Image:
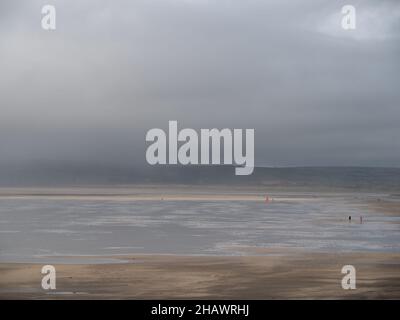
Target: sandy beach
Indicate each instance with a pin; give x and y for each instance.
(298, 276)
(251, 272)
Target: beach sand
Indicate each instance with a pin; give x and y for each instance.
(160, 192)
(260, 273)
(385, 207)
(294, 276)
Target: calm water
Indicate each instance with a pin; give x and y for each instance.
(38, 230)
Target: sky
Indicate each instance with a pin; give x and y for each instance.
(87, 92)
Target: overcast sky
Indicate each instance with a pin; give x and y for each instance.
(89, 91)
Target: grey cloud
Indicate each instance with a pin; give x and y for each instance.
(89, 91)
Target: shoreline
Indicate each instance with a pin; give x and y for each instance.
(252, 273)
(180, 194)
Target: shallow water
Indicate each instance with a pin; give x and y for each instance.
(49, 230)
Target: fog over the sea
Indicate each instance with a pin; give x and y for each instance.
(87, 93)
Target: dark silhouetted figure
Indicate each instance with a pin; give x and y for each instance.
(349, 218)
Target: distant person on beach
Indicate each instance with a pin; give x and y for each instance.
(361, 220)
(349, 218)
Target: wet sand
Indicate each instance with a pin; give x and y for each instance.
(259, 274)
(386, 207)
(148, 193)
(163, 192)
(295, 276)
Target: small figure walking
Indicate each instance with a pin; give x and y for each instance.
(349, 218)
(361, 219)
